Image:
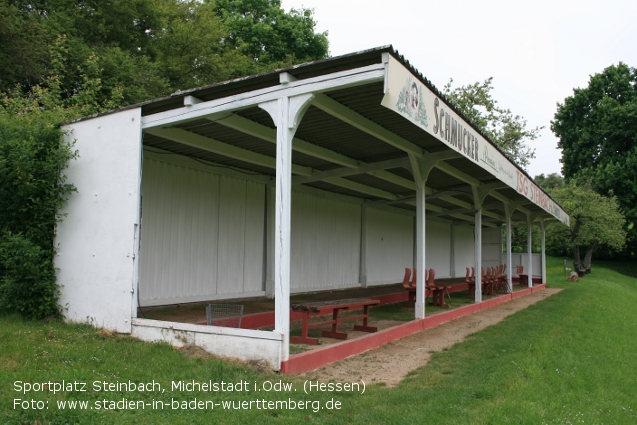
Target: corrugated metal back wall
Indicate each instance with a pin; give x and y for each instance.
(325, 243)
(390, 246)
(464, 248)
(203, 238)
(202, 235)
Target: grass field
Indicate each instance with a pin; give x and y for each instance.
(570, 359)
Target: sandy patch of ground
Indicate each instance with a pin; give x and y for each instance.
(391, 363)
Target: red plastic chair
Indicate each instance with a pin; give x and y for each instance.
(524, 278)
(470, 278)
(438, 292)
(487, 281)
(407, 284)
(501, 280)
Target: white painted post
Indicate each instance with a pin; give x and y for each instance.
(452, 251)
(507, 212)
(420, 170)
(529, 242)
(286, 114)
(270, 213)
(363, 249)
(478, 196)
(478, 248)
(543, 227)
(420, 250)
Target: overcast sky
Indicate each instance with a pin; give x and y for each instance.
(537, 51)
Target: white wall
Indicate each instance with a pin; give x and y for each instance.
(203, 237)
(390, 246)
(202, 234)
(438, 247)
(97, 244)
(491, 247)
(326, 239)
(518, 258)
(464, 249)
(243, 344)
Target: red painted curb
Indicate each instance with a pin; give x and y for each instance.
(316, 358)
(521, 293)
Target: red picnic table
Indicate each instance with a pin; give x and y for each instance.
(335, 307)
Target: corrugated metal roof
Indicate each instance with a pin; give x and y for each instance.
(322, 130)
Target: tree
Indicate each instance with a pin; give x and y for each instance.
(60, 60)
(550, 182)
(263, 31)
(23, 54)
(508, 131)
(597, 128)
(190, 49)
(596, 221)
(90, 29)
(144, 49)
(557, 244)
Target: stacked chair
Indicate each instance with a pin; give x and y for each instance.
(470, 278)
(431, 289)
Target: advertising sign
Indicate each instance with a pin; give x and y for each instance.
(406, 95)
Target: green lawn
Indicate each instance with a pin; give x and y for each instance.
(570, 359)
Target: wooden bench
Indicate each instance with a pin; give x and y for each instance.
(335, 307)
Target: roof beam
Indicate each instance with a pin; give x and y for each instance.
(371, 168)
(448, 212)
(442, 155)
(211, 145)
(337, 80)
(494, 185)
(361, 188)
(263, 132)
(393, 178)
(438, 195)
(215, 146)
(454, 172)
(268, 134)
(347, 115)
(470, 206)
(459, 214)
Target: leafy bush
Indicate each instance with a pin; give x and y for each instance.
(27, 278)
(31, 190)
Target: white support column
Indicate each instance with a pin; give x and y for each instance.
(452, 253)
(543, 228)
(414, 255)
(270, 209)
(509, 270)
(420, 170)
(286, 113)
(478, 248)
(363, 249)
(420, 250)
(529, 244)
(478, 197)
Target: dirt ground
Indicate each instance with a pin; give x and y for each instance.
(391, 363)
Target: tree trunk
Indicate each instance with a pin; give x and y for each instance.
(577, 263)
(589, 257)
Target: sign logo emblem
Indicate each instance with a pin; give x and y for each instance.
(411, 103)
